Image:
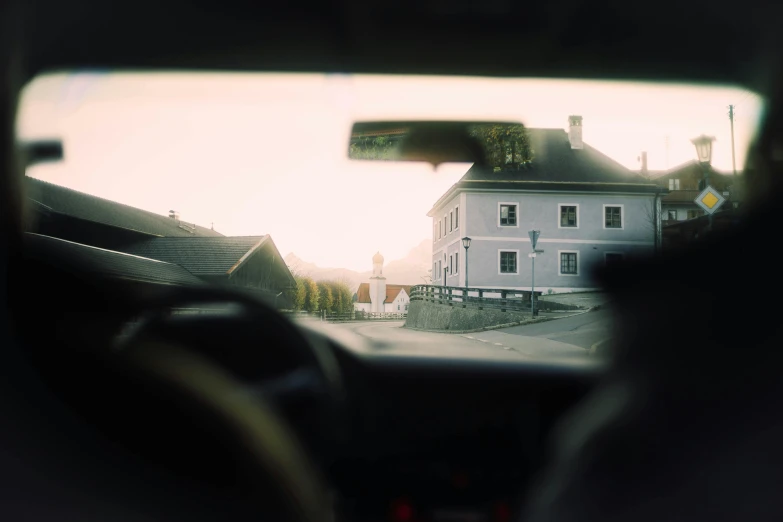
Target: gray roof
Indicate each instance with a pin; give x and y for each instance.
(682, 167)
(84, 206)
(556, 166)
(202, 256)
(554, 160)
(107, 263)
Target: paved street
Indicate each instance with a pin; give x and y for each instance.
(582, 330)
(491, 344)
(584, 299)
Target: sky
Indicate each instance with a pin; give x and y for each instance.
(254, 154)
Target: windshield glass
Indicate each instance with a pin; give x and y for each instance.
(608, 171)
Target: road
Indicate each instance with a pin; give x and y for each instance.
(572, 335)
(536, 344)
(583, 330)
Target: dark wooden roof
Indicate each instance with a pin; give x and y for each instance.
(107, 264)
(689, 167)
(201, 256)
(681, 196)
(555, 166)
(84, 206)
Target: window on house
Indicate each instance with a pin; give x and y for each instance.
(613, 217)
(440, 268)
(692, 214)
(568, 263)
(451, 264)
(456, 217)
(568, 215)
(508, 262)
(440, 229)
(445, 225)
(456, 263)
(451, 221)
(406, 308)
(508, 215)
(671, 215)
(398, 308)
(674, 184)
(612, 258)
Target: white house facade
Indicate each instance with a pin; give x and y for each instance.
(590, 212)
(377, 296)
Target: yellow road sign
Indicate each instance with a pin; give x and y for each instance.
(710, 200)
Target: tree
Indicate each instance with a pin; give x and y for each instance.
(378, 148)
(345, 296)
(505, 145)
(325, 299)
(341, 297)
(298, 294)
(337, 297)
(312, 295)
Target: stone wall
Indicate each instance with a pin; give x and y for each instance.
(431, 316)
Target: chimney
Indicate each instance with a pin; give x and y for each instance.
(643, 170)
(173, 214)
(575, 132)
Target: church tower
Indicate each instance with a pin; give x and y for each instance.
(377, 284)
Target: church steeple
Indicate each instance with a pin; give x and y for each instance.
(377, 265)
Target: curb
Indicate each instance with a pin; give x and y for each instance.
(498, 326)
(594, 346)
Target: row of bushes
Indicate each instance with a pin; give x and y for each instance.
(330, 296)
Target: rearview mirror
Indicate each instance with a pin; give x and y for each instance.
(435, 142)
(41, 151)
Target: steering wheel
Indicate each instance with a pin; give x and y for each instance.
(236, 398)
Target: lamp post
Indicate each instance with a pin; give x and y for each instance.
(703, 146)
(533, 240)
(466, 245)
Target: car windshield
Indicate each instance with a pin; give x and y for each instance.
(245, 179)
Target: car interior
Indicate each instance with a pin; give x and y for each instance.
(177, 418)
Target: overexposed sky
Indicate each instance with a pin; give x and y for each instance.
(266, 153)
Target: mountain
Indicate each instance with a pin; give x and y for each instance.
(410, 270)
(303, 268)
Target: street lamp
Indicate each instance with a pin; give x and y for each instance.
(533, 234)
(466, 245)
(703, 146)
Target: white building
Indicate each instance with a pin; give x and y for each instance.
(590, 211)
(377, 296)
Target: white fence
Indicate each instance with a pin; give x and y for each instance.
(356, 315)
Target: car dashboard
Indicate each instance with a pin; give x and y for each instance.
(444, 438)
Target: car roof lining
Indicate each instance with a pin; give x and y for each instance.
(669, 41)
